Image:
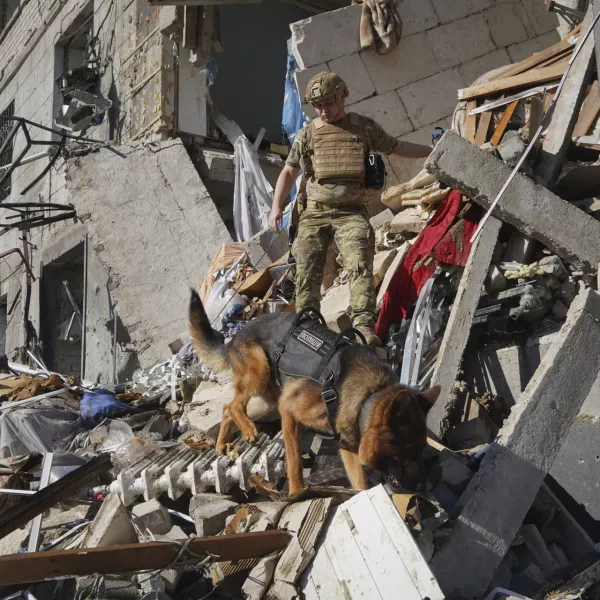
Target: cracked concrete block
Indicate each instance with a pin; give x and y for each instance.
(506, 24)
(335, 303)
(153, 190)
(265, 248)
(433, 98)
(460, 41)
(326, 36)
(452, 10)
(472, 69)
(387, 110)
(566, 230)
(381, 263)
(411, 61)
(111, 526)
(353, 71)
(153, 516)
(499, 496)
(456, 475)
(381, 218)
(416, 15)
(206, 408)
(210, 511)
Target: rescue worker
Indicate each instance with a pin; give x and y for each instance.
(331, 152)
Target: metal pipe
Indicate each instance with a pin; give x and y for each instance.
(12, 492)
(26, 160)
(36, 524)
(53, 394)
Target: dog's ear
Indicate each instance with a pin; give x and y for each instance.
(428, 397)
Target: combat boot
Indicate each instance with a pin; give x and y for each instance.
(369, 334)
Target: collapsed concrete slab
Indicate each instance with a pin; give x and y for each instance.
(535, 211)
(512, 471)
(457, 330)
(154, 228)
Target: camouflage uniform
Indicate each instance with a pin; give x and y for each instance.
(336, 211)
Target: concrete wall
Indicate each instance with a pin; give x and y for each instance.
(250, 77)
(154, 229)
(445, 45)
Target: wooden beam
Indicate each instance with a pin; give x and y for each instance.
(34, 505)
(508, 113)
(560, 131)
(483, 128)
(471, 121)
(39, 566)
(531, 78)
(589, 111)
(537, 59)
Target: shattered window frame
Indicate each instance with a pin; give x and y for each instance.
(6, 158)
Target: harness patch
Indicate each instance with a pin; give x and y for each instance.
(310, 340)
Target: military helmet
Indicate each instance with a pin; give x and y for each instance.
(324, 85)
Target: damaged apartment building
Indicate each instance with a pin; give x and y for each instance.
(137, 217)
(139, 146)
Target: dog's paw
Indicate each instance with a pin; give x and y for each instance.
(250, 433)
(221, 449)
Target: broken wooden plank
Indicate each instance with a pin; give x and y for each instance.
(488, 105)
(506, 117)
(565, 45)
(471, 124)
(34, 505)
(456, 334)
(405, 545)
(38, 566)
(305, 520)
(368, 552)
(589, 111)
(560, 130)
(531, 78)
(483, 128)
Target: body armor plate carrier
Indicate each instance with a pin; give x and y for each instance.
(312, 351)
(338, 150)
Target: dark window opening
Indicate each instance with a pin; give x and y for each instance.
(61, 310)
(6, 127)
(7, 10)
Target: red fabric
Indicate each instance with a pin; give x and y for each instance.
(439, 241)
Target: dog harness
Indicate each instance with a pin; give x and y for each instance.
(310, 350)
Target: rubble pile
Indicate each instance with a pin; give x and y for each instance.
(117, 491)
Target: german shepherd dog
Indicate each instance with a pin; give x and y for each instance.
(381, 424)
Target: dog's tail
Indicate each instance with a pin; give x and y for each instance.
(208, 343)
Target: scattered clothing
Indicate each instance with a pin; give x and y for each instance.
(380, 25)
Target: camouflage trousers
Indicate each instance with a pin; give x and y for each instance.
(355, 240)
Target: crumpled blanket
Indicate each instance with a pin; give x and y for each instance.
(380, 25)
(446, 239)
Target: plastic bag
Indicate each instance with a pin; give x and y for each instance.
(118, 433)
(99, 405)
(130, 452)
(293, 118)
(253, 194)
(41, 429)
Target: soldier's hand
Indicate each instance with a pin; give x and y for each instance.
(275, 219)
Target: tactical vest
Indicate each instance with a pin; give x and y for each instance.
(338, 151)
(310, 350)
